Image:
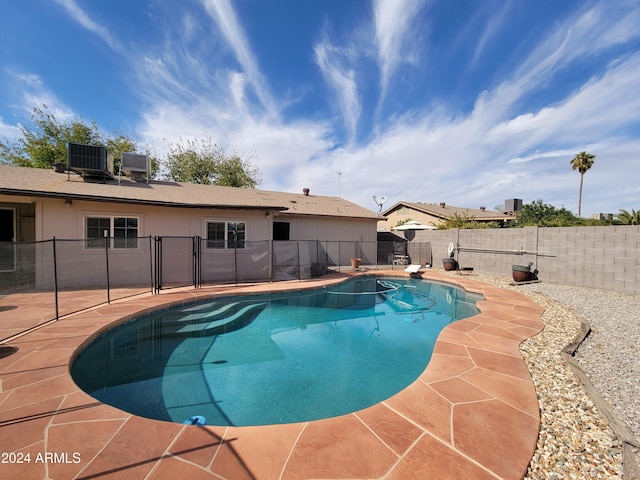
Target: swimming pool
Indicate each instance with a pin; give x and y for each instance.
(279, 358)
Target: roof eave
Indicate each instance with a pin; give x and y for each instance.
(132, 201)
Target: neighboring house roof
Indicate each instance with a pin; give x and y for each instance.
(445, 212)
(39, 182)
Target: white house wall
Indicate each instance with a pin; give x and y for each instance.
(329, 228)
(62, 221)
(79, 266)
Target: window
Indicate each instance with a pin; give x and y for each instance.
(123, 230)
(226, 234)
(281, 230)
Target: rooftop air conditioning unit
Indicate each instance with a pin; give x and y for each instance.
(513, 205)
(135, 165)
(90, 160)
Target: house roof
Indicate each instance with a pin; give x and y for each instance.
(38, 182)
(444, 211)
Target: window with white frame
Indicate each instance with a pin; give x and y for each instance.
(225, 234)
(123, 230)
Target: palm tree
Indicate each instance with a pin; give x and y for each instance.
(582, 162)
(627, 218)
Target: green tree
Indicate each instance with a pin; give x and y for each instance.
(582, 162)
(465, 221)
(540, 214)
(629, 218)
(402, 222)
(205, 162)
(44, 142)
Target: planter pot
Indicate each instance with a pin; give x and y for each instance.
(449, 264)
(521, 273)
(355, 263)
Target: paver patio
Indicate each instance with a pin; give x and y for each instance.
(473, 413)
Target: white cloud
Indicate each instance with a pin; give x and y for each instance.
(392, 20)
(83, 19)
(497, 17)
(9, 132)
(33, 93)
(221, 11)
(343, 83)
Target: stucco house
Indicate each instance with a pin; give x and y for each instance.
(40, 204)
(434, 214)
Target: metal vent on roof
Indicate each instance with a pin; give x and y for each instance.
(135, 165)
(90, 160)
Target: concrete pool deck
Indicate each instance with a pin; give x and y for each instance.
(473, 412)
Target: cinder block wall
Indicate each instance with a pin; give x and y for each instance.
(599, 257)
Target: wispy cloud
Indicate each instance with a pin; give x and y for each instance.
(33, 93)
(496, 20)
(83, 19)
(393, 35)
(9, 132)
(342, 81)
(221, 11)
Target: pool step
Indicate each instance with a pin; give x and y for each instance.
(242, 317)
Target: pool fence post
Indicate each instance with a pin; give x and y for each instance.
(199, 261)
(235, 256)
(158, 263)
(106, 253)
(151, 265)
(55, 277)
(298, 262)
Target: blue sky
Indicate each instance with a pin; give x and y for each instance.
(459, 101)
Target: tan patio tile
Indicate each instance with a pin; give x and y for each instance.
(262, 449)
(456, 390)
(24, 425)
(518, 393)
(430, 459)
(498, 331)
(133, 450)
(447, 348)
(340, 447)
(442, 367)
(494, 343)
(54, 387)
(78, 443)
(21, 378)
(479, 427)
(173, 469)
(501, 363)
(39, 358)
(425, 407)
(81, 407)
(452, 335)
(395, 431)
(198, 445)
(31, 470)
(465, 325)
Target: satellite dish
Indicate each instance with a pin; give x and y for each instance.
(450, 249)
(380, 200)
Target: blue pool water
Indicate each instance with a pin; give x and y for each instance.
(280, 358)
